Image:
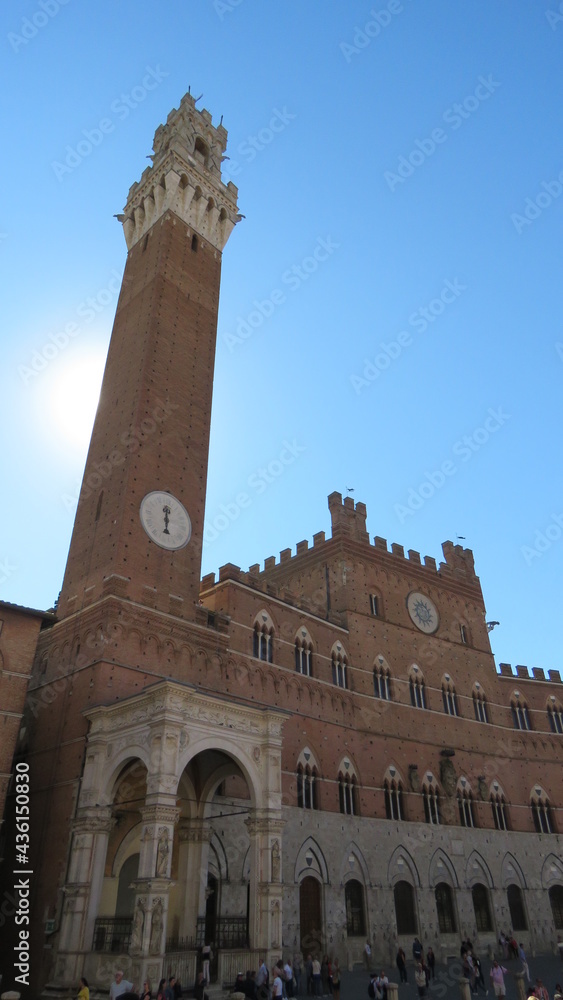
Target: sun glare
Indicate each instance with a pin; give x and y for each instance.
(73, 398)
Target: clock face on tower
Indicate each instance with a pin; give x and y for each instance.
(422, 612)
(165, 520)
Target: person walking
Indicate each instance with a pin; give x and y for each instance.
(430, 962)
(524, 960)
(367, 955)
(206, 955)
(316, 973)
(497, 974)
(401, 962)
(420, 979)
(335, 980)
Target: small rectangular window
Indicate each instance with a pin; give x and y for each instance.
(374, 604)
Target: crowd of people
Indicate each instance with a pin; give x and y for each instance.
(316, 977)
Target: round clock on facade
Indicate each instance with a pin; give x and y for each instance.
(165, 520)
(423, 612)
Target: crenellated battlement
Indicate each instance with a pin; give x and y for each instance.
(349, 522)
(521, 672)
(184, 178)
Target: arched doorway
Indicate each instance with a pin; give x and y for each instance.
(310, 916)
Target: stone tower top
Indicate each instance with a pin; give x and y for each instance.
(185, 178)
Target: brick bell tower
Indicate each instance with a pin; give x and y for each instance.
(139, 523)
(133, 570)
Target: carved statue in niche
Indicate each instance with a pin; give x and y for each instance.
(162, 853)
(156, 929)
(137, 928)
(276, 862)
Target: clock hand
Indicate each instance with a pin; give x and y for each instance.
(166, 511)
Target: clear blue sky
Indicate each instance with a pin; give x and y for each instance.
(440, 265)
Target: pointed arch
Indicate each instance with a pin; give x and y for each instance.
(263, 636)
(554, 710)
(417, 687)
(552, 872)
(381, 678)
(353, 864)
(511, 872)
(310, 860)
(449, 696)
(393, 786)
(402, 868)
(348, 787)
(477, 871)
(339, 660)
(441, 869)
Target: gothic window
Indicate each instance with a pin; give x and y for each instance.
(348, 795)
(541, 811)
(263, 638)
(518, 920)
(405, 908)
(480, 703)
(445, 908)
(481, 908)
(464, 634)
(307, 787)
(393, 792)
(498, 806)
(304, 653)
(307, 780)
(520, 714)
(355, 909)
(417, 689)
(465, 803)
(431, 798)
(381, 680)
(449, 696)
(556, 900)
(555, 716)
(339, 666)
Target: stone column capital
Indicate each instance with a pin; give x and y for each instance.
(160, 813)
